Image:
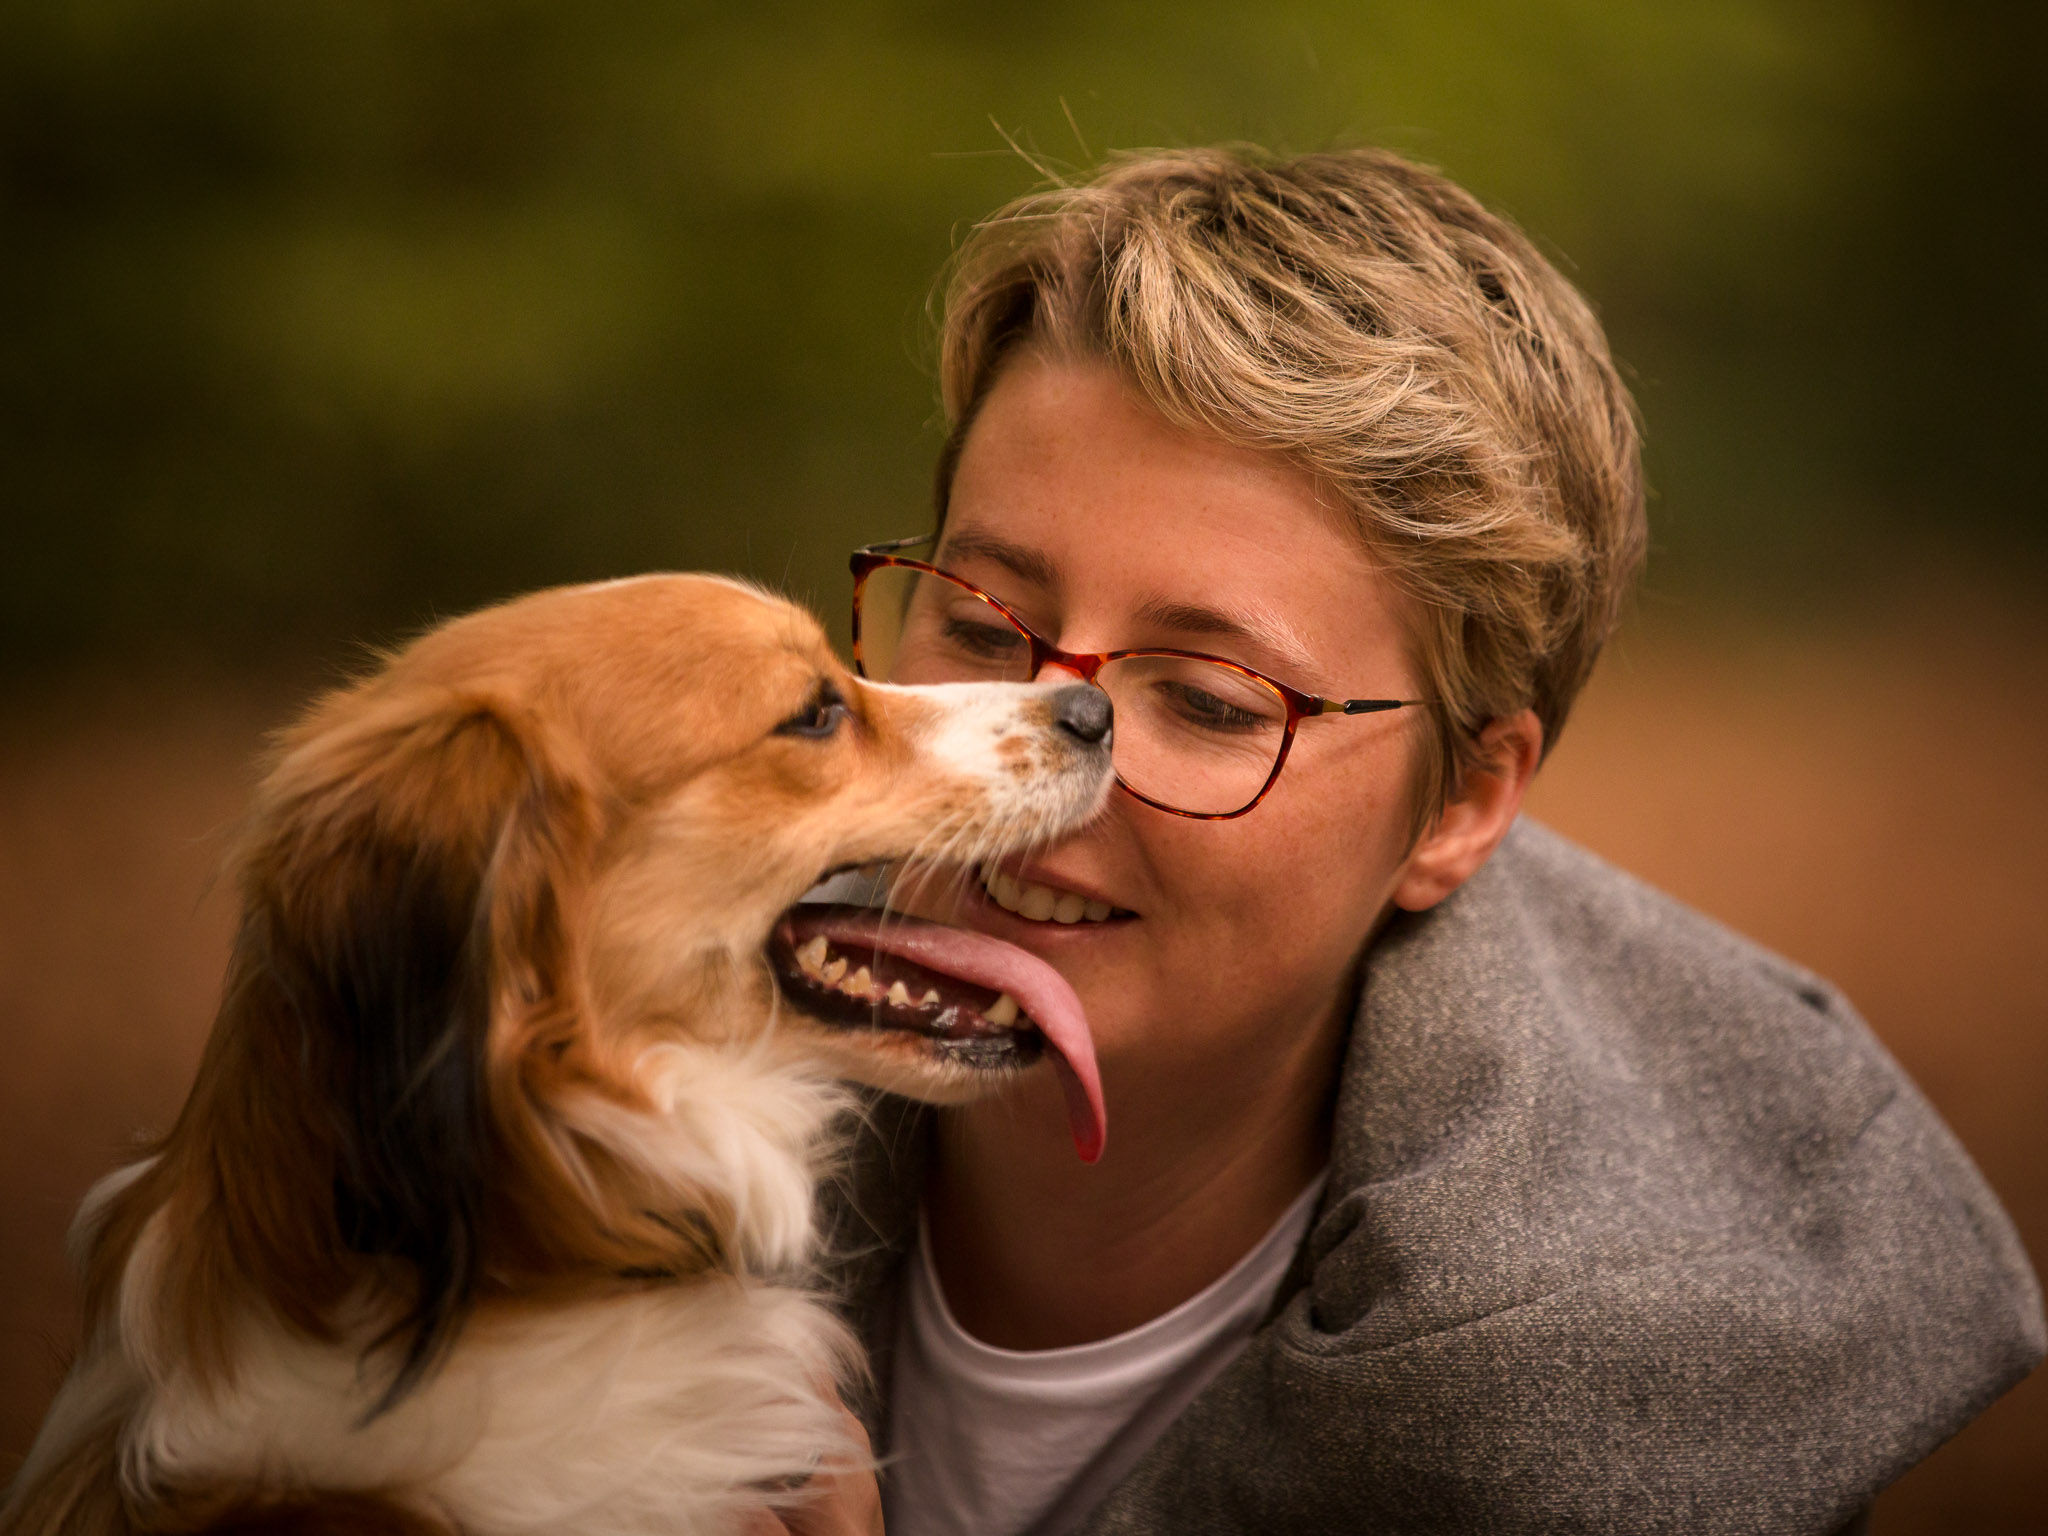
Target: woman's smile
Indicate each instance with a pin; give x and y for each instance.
(1038, 896)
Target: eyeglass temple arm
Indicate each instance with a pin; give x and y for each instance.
(1363, 706)
(890, 546)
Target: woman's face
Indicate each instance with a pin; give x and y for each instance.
(1104, 527)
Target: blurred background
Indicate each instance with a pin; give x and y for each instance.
(320, 321)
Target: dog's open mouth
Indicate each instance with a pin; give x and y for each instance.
(988, 1003)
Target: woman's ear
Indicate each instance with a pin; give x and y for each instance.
(1476, 818)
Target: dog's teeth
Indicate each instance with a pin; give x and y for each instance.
(1069, 908)
(811, 958)
(1098, 910)
(1002, 1011)
(930, 998)
(859, 984)
(833, 971)
(899, 994)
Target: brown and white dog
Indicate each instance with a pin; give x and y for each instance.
(491, 1207)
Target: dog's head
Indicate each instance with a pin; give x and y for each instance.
(518, 941)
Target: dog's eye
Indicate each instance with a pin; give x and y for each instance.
(817, 719)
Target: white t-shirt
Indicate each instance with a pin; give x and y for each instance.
(1005, 1442)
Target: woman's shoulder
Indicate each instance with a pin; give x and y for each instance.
(1562, 966)
(1661, 1069)
(1590, 915)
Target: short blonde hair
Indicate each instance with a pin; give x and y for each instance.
(1368, 320)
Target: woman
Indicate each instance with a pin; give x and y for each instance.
(1456, 1182)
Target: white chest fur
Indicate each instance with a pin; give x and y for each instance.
(658, 1411)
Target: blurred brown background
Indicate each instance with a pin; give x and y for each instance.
(318, 321)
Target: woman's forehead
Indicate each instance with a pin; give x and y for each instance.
(1313, 634)
(1075, 495)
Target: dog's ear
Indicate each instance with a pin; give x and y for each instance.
(405, 876)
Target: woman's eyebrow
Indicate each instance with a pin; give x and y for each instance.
(1263, 630)
(1017, 559)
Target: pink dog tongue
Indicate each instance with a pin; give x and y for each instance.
(1040, 991)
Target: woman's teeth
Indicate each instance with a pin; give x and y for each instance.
(1041, 903)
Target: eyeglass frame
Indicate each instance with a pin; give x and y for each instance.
(870, 558)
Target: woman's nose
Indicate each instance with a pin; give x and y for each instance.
(1053, 671)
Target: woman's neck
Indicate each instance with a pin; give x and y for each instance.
(1036, 1250)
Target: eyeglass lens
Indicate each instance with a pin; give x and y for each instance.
(1190, 734)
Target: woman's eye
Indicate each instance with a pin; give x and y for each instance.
(986, 640)
(1200, 707)
(817, 719)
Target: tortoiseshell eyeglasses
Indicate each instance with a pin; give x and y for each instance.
(1194, 735)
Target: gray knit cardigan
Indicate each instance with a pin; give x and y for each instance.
(1630, 1226)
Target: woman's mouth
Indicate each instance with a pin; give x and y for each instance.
(1037, 903)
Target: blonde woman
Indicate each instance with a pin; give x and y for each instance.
(1456, 1182)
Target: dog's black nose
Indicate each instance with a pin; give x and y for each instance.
(1083, 711)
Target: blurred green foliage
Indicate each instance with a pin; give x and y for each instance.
(318, 319)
